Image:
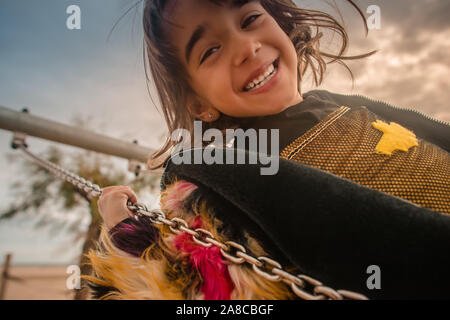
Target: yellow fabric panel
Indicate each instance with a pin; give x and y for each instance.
(356, 144)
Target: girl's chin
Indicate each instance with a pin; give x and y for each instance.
(262, 112)
(272, 106)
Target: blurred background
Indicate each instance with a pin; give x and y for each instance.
(94, 77)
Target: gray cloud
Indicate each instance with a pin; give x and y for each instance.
(412, 64)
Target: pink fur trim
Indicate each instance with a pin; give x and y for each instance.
(217, 284)
(177, 193)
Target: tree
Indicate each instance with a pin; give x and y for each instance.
(43, 190)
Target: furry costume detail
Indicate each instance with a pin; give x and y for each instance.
(208, 261)
(133, 237)
(172, 266)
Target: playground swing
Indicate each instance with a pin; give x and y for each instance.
(263, 266)
(329, 228)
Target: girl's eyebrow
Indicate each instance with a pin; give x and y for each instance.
(199, 31)
(195, 37)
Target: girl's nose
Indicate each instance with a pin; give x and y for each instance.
(245, 49)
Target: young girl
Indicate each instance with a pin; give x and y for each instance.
(364, 169)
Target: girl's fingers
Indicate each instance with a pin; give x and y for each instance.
(112, 204)
(116, 196)
(130, 194)
(120, 189)
(110, 189)
(128, 211)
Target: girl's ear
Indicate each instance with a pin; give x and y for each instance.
(202, 111)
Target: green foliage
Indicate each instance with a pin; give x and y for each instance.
(40, 192)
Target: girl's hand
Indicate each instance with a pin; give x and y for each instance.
(112, 204)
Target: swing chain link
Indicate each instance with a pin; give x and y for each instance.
(92, 190)
(263, 266)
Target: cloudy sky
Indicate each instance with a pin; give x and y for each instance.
(411, 68)
(59, 73)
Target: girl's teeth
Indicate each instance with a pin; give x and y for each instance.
(262, 79)
(264, 75)
(269, 70)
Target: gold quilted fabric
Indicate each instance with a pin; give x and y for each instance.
(345, 144)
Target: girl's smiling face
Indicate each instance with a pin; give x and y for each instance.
(224, 48)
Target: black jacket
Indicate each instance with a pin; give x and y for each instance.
(333, 229)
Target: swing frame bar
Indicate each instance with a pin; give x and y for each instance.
(28, 124)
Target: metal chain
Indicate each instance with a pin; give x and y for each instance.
(303, 286)
(93, 190)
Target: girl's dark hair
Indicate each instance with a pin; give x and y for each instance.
(171, 78)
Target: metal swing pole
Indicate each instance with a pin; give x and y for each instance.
(26, 123)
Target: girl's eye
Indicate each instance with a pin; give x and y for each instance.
(250, 20)
(246, 23)
(207, 54)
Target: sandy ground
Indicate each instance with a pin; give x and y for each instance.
(38, 283)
